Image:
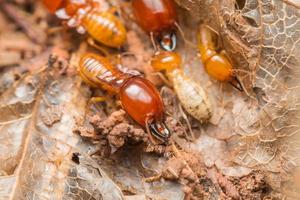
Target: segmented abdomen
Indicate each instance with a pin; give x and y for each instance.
(105, 28)
(192, 96)
(99, 72)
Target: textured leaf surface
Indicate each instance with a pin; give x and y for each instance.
(47, 162)
(42, 158)
(263, 41)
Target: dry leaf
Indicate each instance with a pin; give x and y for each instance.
(42, 162)
(42, 158)
(263, 40)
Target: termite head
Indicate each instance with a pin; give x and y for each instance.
(206, 42)
(159, 130)
(143, 103)
(168, 41)
(73, 11)
(166, 61)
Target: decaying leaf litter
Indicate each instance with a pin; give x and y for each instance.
(55, 144)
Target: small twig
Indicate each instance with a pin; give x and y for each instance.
(22, 21)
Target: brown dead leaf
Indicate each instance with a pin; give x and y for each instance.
(38, 161)
(41, 157)
(263, 41)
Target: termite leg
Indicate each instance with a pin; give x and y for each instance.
(162, 91)
(175, 150)
(121, 67)
(97, 99)
(103, 50)
(186, 41)
(163, 78)
(123, 54)
(187, 122)
(166, 89)
(213, 30)
(152, 38)
(153, 178)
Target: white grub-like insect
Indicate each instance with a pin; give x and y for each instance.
(191, 95)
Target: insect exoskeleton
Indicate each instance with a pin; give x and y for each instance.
(105, 27)
(139, 97)
(157, 18)
(191, 95)
(87, 16)
(216, 64)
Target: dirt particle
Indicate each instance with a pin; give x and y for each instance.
(117, 130)
(228, 187)
(52, 115)
(75, 158)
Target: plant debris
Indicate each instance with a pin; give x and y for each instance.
(56, 143)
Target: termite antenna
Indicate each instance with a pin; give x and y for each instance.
(212, 29)
(101, 48)
(124, 69)
(187, 122)
(186, 41)
(153, 41)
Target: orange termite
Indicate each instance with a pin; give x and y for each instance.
(86, 16)
(139, 97)
(217, 65)
(157, 18)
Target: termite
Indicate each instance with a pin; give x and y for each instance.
(138, 96)
(159, 19)
(217, 65)
(191, 95)
(86, 16)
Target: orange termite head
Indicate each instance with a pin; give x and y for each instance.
(216, 64)
(219, 68)
(165, 60)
